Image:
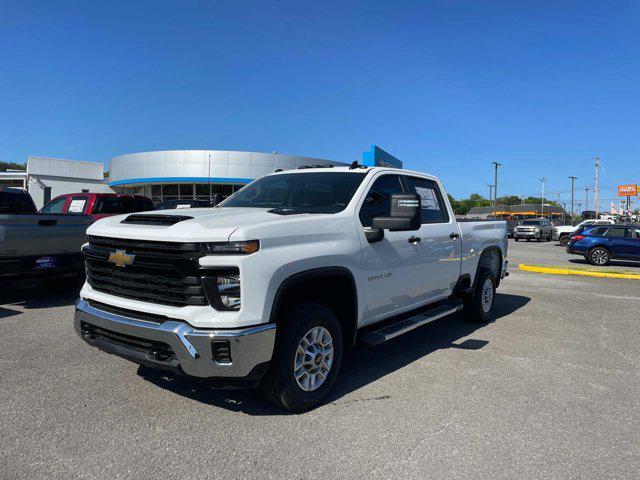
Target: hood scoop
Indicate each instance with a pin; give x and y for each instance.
(162, 220)
(285, 211)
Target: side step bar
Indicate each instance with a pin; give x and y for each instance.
(389, 331)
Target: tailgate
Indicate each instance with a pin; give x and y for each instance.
(42, 234)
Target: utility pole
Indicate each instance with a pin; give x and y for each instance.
(543, 180)
(495, 187)
(595, 193)
(572, 180)
(564, 209)
(586, 196)
(490, 190)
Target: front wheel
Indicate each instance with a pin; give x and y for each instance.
(564, 240)
(599, 256)
(306, 358)
(517, 239)
(478, 307)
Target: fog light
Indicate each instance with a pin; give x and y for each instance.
(223, 289)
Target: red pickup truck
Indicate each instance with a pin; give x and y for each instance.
(97, 205)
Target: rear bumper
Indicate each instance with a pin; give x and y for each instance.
(176, 346)
(33, 266)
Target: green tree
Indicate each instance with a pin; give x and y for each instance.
(4, 166)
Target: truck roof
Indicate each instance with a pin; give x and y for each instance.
(345, 168)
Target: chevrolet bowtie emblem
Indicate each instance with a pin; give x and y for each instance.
(121, 258)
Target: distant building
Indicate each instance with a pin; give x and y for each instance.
(46, 178)
(201, 174)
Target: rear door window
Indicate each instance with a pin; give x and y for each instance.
(620, 232)
(16, 203)
(432, 206)
(109, 205)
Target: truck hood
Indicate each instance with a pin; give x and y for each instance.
(203, 224)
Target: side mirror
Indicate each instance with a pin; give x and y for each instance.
(404, 215)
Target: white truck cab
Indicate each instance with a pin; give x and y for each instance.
(562, 233)
(268, 287)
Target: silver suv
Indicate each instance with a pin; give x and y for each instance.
(537, 229)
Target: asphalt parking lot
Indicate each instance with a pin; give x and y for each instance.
(551, 389)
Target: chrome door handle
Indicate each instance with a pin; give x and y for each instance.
(454, 235)
(414, 240)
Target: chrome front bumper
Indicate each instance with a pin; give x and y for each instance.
(190, 350)
(526, 234)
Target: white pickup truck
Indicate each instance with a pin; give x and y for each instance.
(269, 287)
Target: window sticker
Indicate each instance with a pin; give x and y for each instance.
(429, 200)
(77, 206)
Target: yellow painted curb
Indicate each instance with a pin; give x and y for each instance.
(567, 271)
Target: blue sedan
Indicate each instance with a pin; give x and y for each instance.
(600, 244)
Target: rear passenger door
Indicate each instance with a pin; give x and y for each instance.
(440, 245)
(621, 242)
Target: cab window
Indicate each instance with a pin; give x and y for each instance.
(432, 206)
(54, 206)
(378, 200)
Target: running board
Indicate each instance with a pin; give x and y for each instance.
(389, 331)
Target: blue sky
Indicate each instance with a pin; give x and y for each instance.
(446, 86)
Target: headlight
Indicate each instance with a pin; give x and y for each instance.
(222, 288)
(231, 248)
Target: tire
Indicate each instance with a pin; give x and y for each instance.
(516, 239)
(599, 256)
(564, 240)
(279, 385)
(476, 308)
(66, 284)
(549, 237)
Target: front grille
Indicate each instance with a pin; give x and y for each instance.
(161, 272)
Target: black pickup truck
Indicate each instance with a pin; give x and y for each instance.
(39, 246)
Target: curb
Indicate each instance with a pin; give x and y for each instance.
(585, 273)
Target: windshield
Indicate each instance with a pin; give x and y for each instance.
(317, 192)
(531, 222)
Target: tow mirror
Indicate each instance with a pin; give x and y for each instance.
(404, 214)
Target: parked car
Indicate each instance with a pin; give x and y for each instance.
(600, 244)
(562, 234)
(39, 246)
(97, 205)
(269, 287)
(537, 229)
(183, 203)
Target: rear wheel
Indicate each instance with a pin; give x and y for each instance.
(516, 239)
(306, 359)
(599, 256)
(479, 306)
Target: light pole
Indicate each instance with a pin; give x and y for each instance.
(543, 180)
(490, 195)
(495, 186)
(572, 180)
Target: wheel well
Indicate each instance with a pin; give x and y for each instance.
(332, 287)
(491, 258)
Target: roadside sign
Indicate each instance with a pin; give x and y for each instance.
(627, 190)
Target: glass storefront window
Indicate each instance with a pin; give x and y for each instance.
(169, 191)
(186, 190)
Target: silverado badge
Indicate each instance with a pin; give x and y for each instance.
(121, 258)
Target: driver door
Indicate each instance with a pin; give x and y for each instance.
(392, 266)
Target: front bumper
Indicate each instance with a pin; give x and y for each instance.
(517, 234)
(174, 345)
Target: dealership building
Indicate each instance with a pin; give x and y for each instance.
(203, 174)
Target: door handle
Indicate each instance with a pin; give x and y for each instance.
(454, 235)
(414, 240)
